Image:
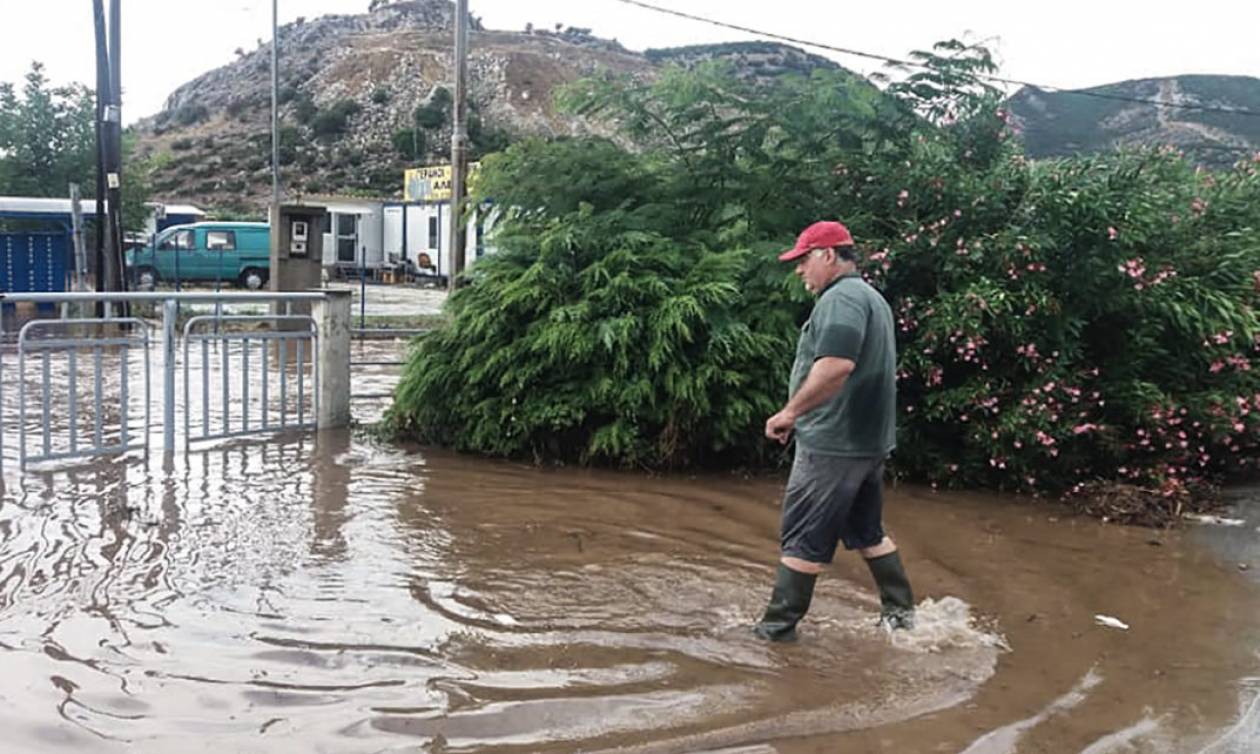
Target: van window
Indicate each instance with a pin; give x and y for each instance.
(221, 240)
(181, 241)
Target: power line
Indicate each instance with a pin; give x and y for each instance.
(914, 64)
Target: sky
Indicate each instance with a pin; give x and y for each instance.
(1066, 44)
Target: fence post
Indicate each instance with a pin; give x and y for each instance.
(170, 312)
(332, 318)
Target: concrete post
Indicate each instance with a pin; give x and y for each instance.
(332, 317)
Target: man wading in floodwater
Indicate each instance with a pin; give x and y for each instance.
(842, 411)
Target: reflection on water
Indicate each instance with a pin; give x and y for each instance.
(331, 594)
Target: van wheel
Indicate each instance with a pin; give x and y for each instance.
(253, 279)
(146, 279)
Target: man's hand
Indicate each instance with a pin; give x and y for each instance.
(779, 427)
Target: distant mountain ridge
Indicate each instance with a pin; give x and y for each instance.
(1054, 124)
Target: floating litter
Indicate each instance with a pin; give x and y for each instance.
(1110, 622)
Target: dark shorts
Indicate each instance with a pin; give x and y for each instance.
(832, 499)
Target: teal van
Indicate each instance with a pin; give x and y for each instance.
(229, 252)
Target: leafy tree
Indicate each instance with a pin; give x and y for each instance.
(47, 138)
(48, 141)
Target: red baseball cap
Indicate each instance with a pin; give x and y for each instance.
(821, 235)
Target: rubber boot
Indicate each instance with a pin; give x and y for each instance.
(789, 602)
(896, 600)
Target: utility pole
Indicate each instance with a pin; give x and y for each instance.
(109, 257)
(113, 175)
(459, 143)
(102, 88)
(275, 104)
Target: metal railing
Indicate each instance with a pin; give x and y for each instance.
(98, 445)
(113, 435)
(280, 339)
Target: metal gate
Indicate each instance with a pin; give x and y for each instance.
(98, 442)
(304, 340)
(266, 372)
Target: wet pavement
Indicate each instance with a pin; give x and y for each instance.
(370, 299)
(332, 594)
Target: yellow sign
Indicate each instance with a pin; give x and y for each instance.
(433, 183)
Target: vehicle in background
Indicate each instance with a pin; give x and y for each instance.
(220, 252)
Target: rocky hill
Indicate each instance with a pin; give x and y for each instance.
(362, 98)
(365, 96)
(1065, 123)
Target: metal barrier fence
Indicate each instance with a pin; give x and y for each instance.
(113, 434)
(46, 347)
(280, 339)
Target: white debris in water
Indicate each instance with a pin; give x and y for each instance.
(1110, 622)
(1205, 518)
(503, 619)
(944, 624)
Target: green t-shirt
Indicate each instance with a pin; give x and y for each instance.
(851, 320)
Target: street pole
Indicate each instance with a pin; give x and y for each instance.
(113, 115)
(102, 97)
(459, 142)
(275, 104)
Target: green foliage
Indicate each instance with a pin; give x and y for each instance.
(304, 108)
(290, 142)
(1059, 323)
(410, 143)
(748, 55)
(190, 114)
(597, 339)
(47, 138)
(238, 106)
(482, 140)
(430, 117)
(334, 120)
(380, 95)
(48, 141)
(436, 112)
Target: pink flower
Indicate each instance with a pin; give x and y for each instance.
(1112, 233)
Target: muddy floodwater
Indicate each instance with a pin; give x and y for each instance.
(329, 593)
